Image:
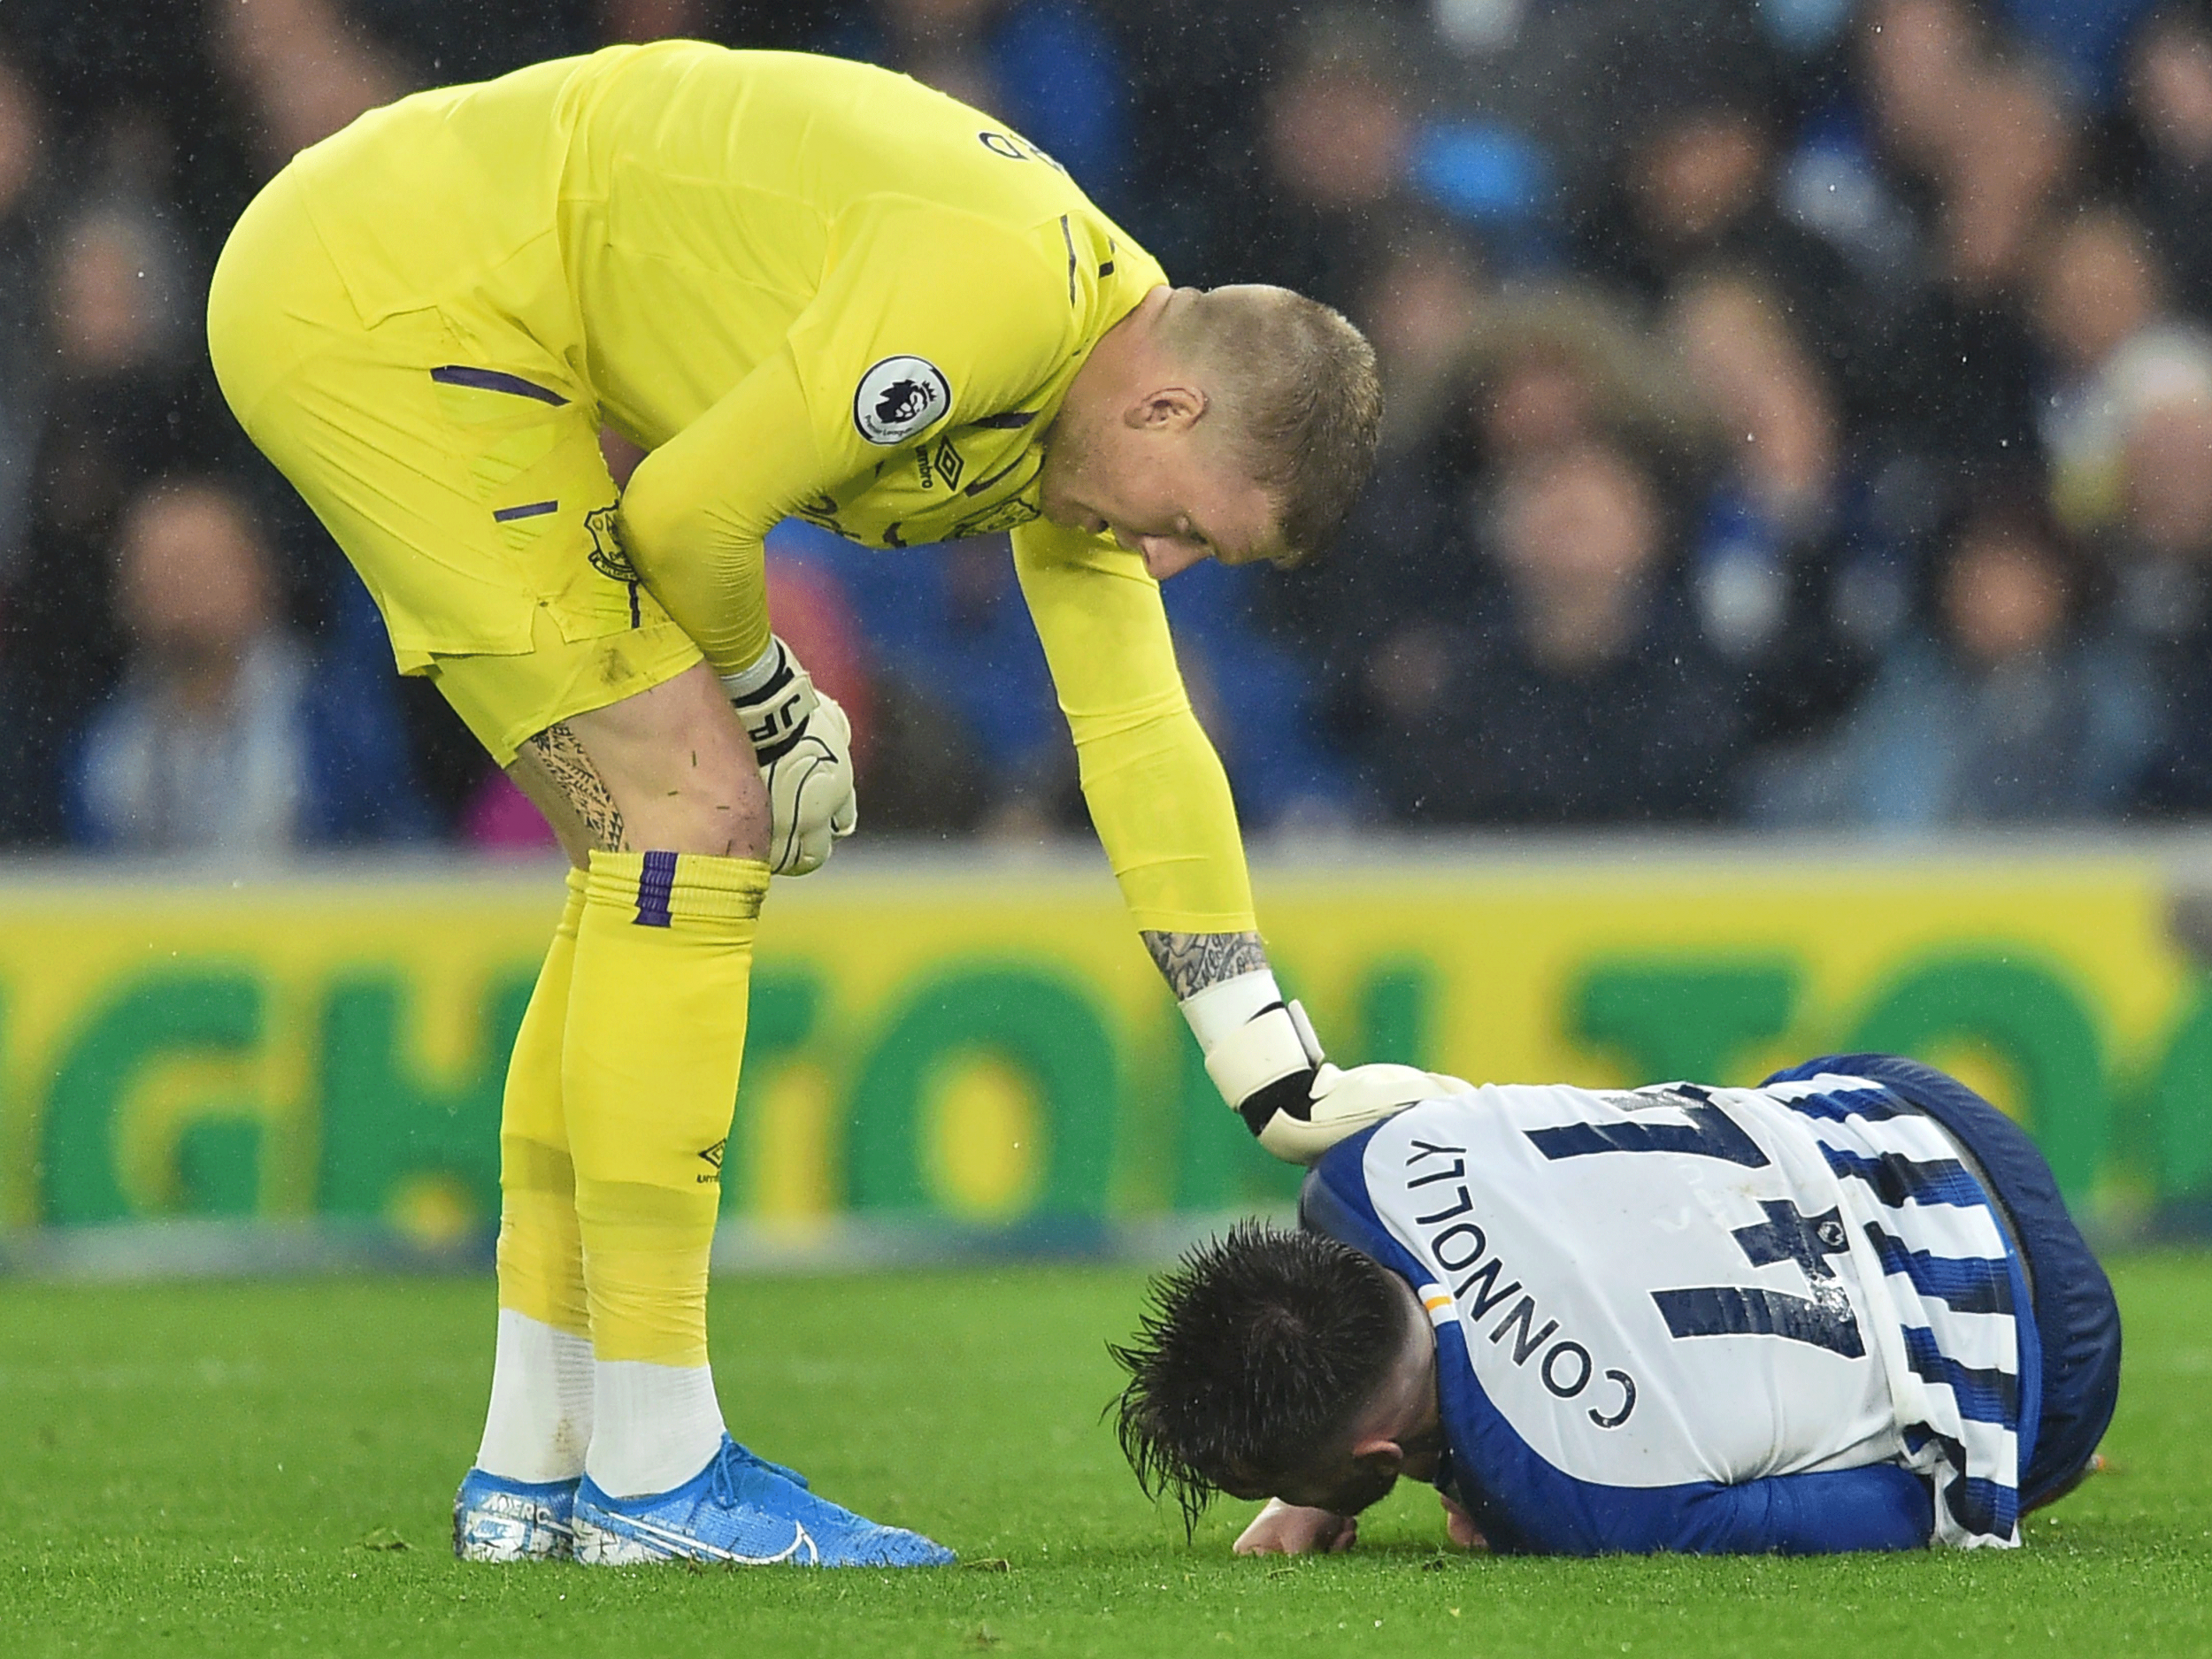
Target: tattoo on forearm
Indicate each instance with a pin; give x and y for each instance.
(564, 761)
(1191, 961)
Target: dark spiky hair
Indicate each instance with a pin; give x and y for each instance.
(1253, 1353)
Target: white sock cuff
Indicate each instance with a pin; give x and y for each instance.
(653, 1426)
(539, 1421)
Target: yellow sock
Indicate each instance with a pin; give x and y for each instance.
(540, 1251)
(538, 1423)
(655, 1033)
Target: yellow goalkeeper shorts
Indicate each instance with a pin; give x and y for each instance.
(457, 461)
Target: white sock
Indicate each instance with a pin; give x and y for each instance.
(540, 1420)
(653, 1426)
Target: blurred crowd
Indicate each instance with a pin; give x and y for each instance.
(1800, 414)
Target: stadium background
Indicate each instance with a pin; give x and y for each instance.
(1782, 622)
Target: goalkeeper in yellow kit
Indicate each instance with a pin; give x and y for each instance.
(805, 287)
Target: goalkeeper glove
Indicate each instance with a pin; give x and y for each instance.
(1269, 1066)
(804, 746)
(1343, 1104)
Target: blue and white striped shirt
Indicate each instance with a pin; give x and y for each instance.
(1703, 1319)
(1957, 1292)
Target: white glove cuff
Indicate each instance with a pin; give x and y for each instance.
(1259, 1052)
(1266, 1064)
(748, 681)
(1227, 1004)
(775, 712)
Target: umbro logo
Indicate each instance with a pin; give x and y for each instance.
(940, 462)
(713, 1153)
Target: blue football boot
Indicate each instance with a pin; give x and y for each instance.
(745, 1511)
(498, 1520)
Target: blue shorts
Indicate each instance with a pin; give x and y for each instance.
(2077, 1322)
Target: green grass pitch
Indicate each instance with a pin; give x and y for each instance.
(216, 1469)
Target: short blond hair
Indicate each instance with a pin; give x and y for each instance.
(1304, 402)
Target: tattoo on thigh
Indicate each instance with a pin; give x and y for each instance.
(558, 751)
(1191, 961)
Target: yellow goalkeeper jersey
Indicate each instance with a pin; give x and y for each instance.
(809, 286)
(815, 288)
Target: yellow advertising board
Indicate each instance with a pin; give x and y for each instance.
(987, 1040)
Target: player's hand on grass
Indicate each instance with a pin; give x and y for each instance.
(804, 745)
(1284, 1528)
(1460, 1525)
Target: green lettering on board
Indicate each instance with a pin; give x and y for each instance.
(785, 1008)
(1040, 1025)
(2181, 1102)
(208, 1010)
(219, 1164)
(1397, 1010)
(2036, 1020)
(1218, 1165)
(382, 1124)
(1685, 1018)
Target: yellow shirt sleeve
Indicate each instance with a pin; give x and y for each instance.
(1155, 786)
(927, 317)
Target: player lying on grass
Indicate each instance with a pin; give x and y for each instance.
(809, 288)
(1844, 1311)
